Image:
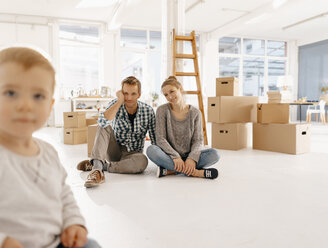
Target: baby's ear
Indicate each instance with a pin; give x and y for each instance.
(52, 103)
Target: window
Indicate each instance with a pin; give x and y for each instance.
(276, 68)
(141, 57)
(276, 48)
(80, 56)
(155, 40)
(133, 64)
(253, 76)
(133, 38)
(253, 47)
(258, 66)
(229, 45)
(229, 67)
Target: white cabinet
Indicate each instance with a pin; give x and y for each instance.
(90, 104)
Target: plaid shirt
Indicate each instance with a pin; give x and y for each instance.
(134, 140)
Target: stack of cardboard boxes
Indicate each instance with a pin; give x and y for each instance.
(75, 128)
(229, 114)
(273, 132)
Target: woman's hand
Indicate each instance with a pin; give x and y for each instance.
(11, 243)
(178, 164)
(190, 166)
(74, 236)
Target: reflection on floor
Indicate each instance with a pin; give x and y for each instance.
(260, 200)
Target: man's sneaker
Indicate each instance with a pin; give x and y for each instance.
(211, 173)
(94, 178)
(161, 172)
(84, 165)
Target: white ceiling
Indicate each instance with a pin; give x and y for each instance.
(219, 17)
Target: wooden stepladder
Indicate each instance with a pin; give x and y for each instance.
(193, 56)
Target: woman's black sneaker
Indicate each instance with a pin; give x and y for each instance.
(161, 172)
(211, 173)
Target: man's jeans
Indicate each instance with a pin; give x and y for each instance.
(207, 158)
(121, 161)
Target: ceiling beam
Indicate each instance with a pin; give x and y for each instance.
(324, 14)
(236, 24)
(194, 5)
(112, 21)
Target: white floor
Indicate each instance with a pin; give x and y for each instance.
(260, 200)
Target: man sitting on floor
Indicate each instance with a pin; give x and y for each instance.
(120, 136)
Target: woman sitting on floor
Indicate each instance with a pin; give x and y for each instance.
(179, 137)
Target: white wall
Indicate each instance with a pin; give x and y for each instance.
(210, 64)
(312, 39)
(35, 36)
(209, 72)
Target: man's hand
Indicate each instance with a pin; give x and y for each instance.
(110, 113)
(178, 164)
(190, 166)
(74, 236)
(120, 96)
(11, 243)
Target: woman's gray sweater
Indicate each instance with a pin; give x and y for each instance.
(179, 138)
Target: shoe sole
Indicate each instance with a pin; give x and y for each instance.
(158, 172)
(92, 185)
(80, 169)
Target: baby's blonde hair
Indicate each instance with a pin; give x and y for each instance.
(28, 58)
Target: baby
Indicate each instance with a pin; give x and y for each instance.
(37, 207)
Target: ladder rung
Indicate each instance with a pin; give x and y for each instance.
(185, 56)
(183, 37)
(185, 73)
(192, 92)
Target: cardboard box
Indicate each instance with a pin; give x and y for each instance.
(231, 136)
(92, 130)
(227, 86)
(274, 101)
(232, 109)
(273, 113)
(73, 136)
(283, 96)
(91, 121)
(274, 94)
(74, 119)
(285, 138)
